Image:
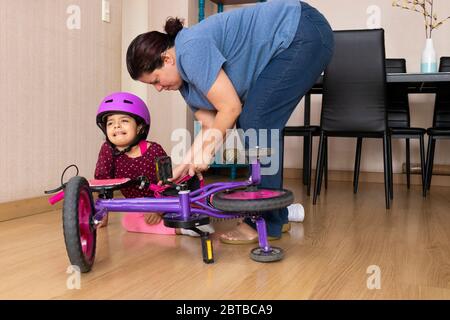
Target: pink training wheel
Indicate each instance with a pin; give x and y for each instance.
(79, 234)
(252, 200)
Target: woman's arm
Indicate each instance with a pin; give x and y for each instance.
(228, 105)
(206, 117)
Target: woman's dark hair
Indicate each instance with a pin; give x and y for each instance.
(144, 52)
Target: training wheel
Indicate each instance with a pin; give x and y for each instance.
(274, 254)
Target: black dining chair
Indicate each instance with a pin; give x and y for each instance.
(441, 119)
(308, 132)
(399, 123)
(354, 96)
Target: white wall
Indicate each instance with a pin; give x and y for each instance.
(168, 109)
(52, 79)
(134, 22)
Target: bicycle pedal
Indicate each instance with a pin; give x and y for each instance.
(207, 249)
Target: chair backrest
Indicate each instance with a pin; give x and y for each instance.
(354, 86)
(397, 97)
(441, 116)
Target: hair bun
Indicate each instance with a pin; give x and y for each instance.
(173, 26)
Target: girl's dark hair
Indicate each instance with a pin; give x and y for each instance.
(144, 52)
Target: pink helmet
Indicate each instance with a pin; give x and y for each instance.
(127, 103)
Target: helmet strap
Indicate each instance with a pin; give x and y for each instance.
(118, 153)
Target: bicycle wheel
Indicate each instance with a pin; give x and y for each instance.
(252, 200)
(274, 254)
(80, 235)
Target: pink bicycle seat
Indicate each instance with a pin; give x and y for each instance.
(107, 182)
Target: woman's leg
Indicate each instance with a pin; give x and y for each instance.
(279, 89)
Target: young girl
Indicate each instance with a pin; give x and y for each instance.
(125, 120)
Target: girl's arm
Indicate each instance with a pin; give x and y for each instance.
(104, 168)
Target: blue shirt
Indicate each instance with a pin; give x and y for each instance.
(241, 41)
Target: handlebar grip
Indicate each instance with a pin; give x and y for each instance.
(57, 197)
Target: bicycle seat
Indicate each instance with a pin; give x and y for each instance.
(108, 184)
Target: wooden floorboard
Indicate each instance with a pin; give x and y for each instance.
(326, 257)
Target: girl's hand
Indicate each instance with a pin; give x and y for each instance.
(153, 218)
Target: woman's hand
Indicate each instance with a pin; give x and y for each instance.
(153, 218)
(202, 164)
(181, 171)
(185, 169)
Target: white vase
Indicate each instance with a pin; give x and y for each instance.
(429, 63)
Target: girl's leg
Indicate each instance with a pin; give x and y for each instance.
(135, 222)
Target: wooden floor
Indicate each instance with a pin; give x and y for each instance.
(327, 256)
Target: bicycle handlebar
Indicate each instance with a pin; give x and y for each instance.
(57, 197)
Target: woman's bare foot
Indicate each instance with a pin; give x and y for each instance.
(243, 233)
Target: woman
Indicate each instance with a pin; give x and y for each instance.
(248, 67)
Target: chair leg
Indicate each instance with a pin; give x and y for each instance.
(391, 171)
(357, 165)
(306, 161)
(422, 165)
(408, 164)
(386, 171)
(282, 158)
(430, 160)
(310, 139)
(326, 163)
(323, 163)
(318, 167)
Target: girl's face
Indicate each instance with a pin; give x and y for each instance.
(121, 130)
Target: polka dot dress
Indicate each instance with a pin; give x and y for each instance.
(110, 167)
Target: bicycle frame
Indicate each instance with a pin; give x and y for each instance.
(187, 203)
(188, 209)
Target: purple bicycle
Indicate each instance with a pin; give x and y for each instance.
(182, 208)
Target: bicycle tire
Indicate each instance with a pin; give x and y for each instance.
(262, 199)
(80, 236)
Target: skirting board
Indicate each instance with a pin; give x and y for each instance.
(26, 207)
(32, 206)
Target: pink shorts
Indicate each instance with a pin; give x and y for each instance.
(135, 222)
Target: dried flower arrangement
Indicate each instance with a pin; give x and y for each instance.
(425, 7)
